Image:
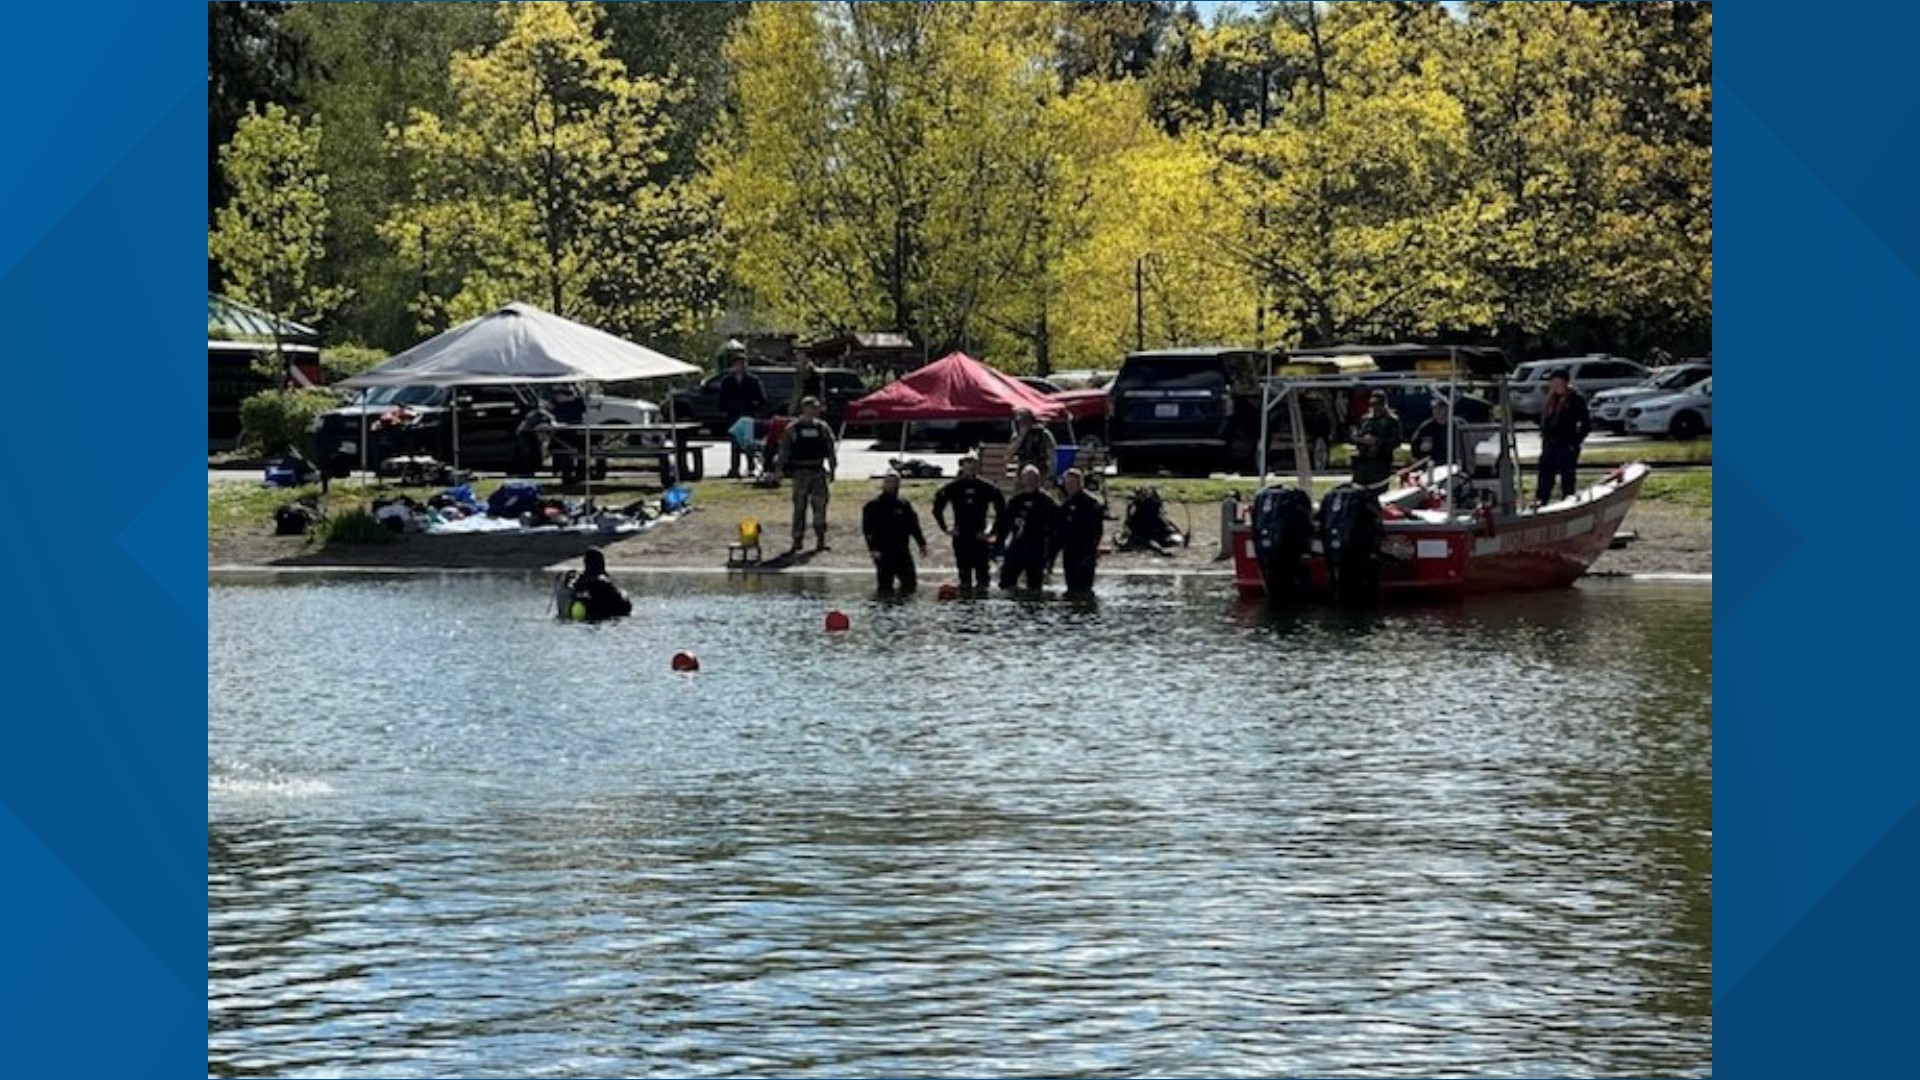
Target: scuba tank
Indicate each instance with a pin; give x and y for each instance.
(1282, 534)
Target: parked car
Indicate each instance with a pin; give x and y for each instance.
(418, 420)
(701, 404)
(1176, 409)
(1610, 406)
(1685, 415)
(1527, 393)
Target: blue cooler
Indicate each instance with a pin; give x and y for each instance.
(1063, 458)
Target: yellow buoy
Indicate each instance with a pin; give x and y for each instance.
(579, 611)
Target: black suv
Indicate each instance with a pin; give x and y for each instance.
(492, 426)
(701, 404)
(1185, 409)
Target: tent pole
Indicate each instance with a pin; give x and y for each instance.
(589, 462)
(455, 402)
(363, 437)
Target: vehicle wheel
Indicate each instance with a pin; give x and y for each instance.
(1686, 427)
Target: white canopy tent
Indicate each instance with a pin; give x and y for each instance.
(521, 344)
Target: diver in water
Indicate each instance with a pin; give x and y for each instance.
(1027, 529)
(595, 596)
(1081, 523)
(977, 506)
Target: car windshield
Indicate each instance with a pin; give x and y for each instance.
(1674, 380)
(1172, 372)
(405, 395)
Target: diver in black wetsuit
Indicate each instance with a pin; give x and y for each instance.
(1027, 528)
(1082, 522)
(891, 526)
(594, 590)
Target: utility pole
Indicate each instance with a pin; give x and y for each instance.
(1260, 286)
(1139, 305)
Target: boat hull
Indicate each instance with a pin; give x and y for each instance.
(1549, 548)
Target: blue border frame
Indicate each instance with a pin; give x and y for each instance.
(102, 796)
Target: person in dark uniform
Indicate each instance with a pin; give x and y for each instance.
(1026, 527)
(1082, 522)
(1374, 442)
(593, 589)
(1434, 439)
(808, 458)
(972, 500)
(1564, 425)
(741, 396)
(1032, 444)
(889, 523)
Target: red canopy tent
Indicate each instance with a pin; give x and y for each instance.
(955, 387)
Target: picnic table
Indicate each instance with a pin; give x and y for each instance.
(667, 446)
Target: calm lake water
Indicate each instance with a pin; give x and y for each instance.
(1168, 835)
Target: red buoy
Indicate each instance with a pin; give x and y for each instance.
(837, 621)
(685, 661)
(949, 591)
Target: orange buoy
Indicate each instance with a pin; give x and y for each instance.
(685, 661)
(837, 621)
(949, 591)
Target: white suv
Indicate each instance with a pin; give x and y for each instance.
(1589, 374)
(1610, 406)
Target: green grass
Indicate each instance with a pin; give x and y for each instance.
(1664, 452)
(1693, 490)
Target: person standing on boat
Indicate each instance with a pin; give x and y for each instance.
(1027, 528)
(972, 500)
(1081, 524)
(1434, 439)
(809, 459)
(1378, 435)
(1564, 424)
(1033, 445)
(890, 524)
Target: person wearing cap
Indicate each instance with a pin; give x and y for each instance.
(1032, 444)
(595, 591)
(890, 524)
(1374, 441)
(1027, 529)
(808, 458)
(977, 506)
(1564, 424)
(1081, 523)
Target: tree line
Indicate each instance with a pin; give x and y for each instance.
(1048, 185)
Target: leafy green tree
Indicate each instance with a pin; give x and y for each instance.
(252, 60)
(370, 66)
(546, 181)
(270, 235)
(1347, 175)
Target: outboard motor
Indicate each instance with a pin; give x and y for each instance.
(1282, 533)
(1351, 528)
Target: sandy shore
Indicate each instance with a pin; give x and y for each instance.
(1671, 539)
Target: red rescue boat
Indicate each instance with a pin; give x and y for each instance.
(1427, 551)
